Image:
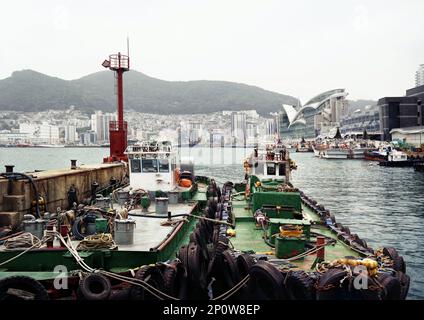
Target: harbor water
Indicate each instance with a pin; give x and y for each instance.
(384, 206)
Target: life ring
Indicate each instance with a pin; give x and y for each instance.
(95, 286)
(23, 284)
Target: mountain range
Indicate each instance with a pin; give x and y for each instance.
(28, 90)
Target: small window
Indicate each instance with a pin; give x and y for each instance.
(163, 165)
(282, 169)
(135, 165)
(270, 169)
(150, 165)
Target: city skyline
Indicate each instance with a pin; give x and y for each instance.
(297, 48)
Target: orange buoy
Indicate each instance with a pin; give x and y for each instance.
(185, 183)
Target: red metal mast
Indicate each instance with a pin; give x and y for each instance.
(118, 63)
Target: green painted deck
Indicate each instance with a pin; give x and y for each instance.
(249, 238)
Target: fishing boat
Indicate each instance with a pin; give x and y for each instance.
(396, 158)
(303, 146)
(259, 238)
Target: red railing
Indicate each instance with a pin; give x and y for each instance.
(119, 61)
(114, 126)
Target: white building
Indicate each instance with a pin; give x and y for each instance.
(71, 134)
(40, 133)
(238, 127)
(419, 76)
(100, 124)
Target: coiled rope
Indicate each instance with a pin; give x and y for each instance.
(97, 241)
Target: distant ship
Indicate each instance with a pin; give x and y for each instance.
(49, 146)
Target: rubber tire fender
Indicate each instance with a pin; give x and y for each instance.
(155, 280)
(95, 286)
(331, 277)
(175, 277)
(197, 265)
(120, 294)
(398, 261)
(244, 263)
(232, 272)
(405, 281)
(399, 264)
(183, 256)
(300, 286)
(391, 285)
(346, 230)
(266, 282)
(22, 283)
(391, 252)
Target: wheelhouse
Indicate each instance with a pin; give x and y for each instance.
(270, 161)
(153, 166)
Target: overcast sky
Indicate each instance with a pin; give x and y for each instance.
(371, 48)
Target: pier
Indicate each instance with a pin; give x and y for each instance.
(53, 185)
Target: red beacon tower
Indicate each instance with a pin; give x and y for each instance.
(118, 63)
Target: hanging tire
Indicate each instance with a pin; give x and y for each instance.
(197, 273)
(95, 286)
(405, 281)
(220, 246)
(391, 285)
(153, 276)
(244, 263)
(230, 268)
(120, 294)
(398, 261)
(362, 243)
(390, 252)
(175, 278)
(300, 286)
(399, 264)
(182, 255)
(266, 282)
(329, 287)
(196, 265)
(22, 288)
(346, 230)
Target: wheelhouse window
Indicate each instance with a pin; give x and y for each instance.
(149, 165)
(164, 165)
(135, 165)
(270, 169)
(282, 169)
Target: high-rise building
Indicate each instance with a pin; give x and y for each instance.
(238, 127)
(403, 115)
(100, 124)
(419, 76)
(70, 134)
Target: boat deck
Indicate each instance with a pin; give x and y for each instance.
(249, 238)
